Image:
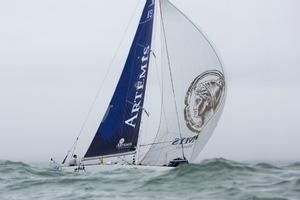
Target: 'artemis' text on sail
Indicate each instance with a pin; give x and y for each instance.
(139, 89)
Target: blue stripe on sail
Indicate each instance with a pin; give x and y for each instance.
(119, 129)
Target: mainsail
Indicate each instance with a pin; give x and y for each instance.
(119, 129)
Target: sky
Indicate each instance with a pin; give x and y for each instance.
(54, 55)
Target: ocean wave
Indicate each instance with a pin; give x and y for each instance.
(211, 179)
(212, 165)
(20, 169)
(297, 183)
(267, 166)
(295, 165)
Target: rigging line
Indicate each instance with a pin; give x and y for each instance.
(102, 82)
(171, 76)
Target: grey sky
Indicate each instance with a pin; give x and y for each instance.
(53, 56)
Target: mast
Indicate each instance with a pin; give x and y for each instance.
(118, 131)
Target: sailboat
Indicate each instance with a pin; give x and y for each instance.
(167, 101)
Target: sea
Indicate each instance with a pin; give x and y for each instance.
(210, 180)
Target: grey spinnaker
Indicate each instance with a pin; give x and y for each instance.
(193, 90)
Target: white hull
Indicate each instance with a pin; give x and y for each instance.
(103, 168)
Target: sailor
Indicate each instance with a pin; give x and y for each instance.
(73, 161)
(53, 165)
(101, 161)
(178, 161)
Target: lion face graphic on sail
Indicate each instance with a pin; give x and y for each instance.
(202, 99)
